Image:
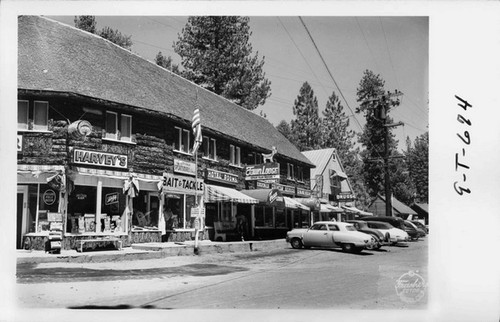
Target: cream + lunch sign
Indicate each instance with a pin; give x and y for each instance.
(102, 159)
(263, 171)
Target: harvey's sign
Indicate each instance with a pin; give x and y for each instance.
(97, 158)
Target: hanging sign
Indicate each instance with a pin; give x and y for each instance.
(220, 176)
(49, 197)
(100, 159)
(263, 171)
(275, 198)
(185, 167)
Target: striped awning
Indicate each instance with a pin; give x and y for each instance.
(330, 208)
(294, 204)
(216, 193)
(356, 210)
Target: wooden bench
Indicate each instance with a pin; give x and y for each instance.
(225, 230)
(117, 243)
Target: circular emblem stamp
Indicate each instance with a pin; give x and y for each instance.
(410, 287)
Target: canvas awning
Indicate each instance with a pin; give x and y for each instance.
(329, 208)
(340, 174)
(294, 204)
(356, 210)
(216, 193)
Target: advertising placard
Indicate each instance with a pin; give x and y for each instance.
(185, 167)
(111, 198)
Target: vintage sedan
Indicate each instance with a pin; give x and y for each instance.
(393, 235)
(420, 225)
(362, 226)
(331, 235)
(412, 226)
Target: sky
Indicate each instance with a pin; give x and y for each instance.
(394, 47)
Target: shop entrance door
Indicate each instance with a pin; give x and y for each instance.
(22, 213)
(153, 207)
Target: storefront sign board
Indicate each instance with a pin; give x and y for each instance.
(263, 171)
(285, 189)
(303, 192)
(220, 176)
(185, 167)
(345, 197)
(98, 158)
(175, 183)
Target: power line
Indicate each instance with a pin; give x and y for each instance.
(329, 72)
(389, 52)
(300, 52)
(367, 45)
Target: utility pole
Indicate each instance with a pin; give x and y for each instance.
(382, 107)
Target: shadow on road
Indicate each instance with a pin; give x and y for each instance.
(111, 307)
(363, 253)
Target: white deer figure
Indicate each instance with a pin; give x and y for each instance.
(270, 156)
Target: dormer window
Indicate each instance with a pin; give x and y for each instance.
(209, 148)
(234, 155)
(40, 114)
(118, 126)
(182, 138)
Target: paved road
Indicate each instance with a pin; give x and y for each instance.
(280, 279)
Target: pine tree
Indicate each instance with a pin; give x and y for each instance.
(306, 125)
(217, 55)
(166, 62)
(86, 23)
(89, 23)
(369, 92)
(284, 128)
(116, 37)
(417, 158)
(335, 130)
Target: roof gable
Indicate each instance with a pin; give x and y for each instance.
(56, 57)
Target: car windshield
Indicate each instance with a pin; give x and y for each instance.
(350, 228)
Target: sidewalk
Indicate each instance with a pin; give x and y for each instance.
(149, 251)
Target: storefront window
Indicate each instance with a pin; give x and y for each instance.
(81, 210)
(174, 206)
(145, 213)
(113, 205)
(47, 201)
(280, 218)
(263, 216)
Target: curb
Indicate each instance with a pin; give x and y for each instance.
(149, 251)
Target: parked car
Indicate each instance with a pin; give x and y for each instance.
(420, 232)
(411, 230)
(362, 226)
(392, 234)
(396, 222)
(332, 235)
(420, 225)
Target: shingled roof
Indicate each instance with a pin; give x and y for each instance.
(60, 58)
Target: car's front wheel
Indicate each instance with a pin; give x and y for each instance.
(348, 248)
(296, 243)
